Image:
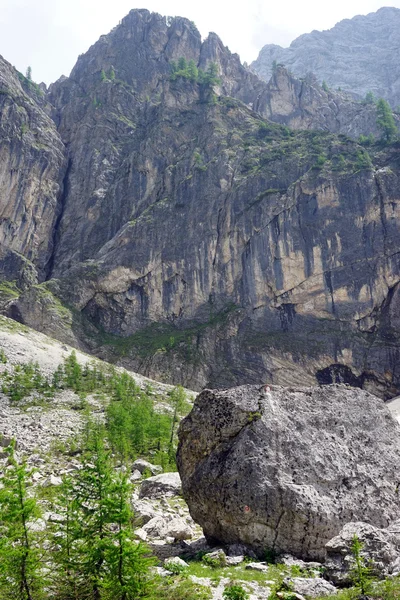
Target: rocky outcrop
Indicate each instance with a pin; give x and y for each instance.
(380, 551)
(286, 469)
(357, 55)
(32, 166)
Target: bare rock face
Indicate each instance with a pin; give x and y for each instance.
(358, 55)
(286, 469)
(32, 167)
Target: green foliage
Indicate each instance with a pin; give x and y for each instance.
(366, 140)
(175, 568)
(338, 163)
(215, 562)
(360, 573)
(103, 75)
(21, 577)
(24, 380)
(96, 557)
(325, 86)
(321, 160)
(3, 357)
(180, 590)
(385, 121)
(189, 71)
(369, 98)
(29, 73)
(112, 74)
(363, 160)
(233, 591)
(135, 428)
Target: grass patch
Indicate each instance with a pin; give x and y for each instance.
(162, 337)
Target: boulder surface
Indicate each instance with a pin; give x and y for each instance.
(285, 469)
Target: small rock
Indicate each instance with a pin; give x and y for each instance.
(136, 475)
(232, 561)
(176, 561)
(161, 572)
(258, 566)
(178, 529)
(310, 587)
(141, 534)
(52, 480)
(142, 465)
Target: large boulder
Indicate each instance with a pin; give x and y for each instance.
(285, 469)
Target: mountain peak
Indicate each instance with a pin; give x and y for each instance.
(349, 56)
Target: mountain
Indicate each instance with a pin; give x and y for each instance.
(205, 227)
(358, 55)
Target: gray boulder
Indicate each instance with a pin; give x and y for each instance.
(143, 465)
(166, 484)
(314, 587)
(379, 552)
(286, 469)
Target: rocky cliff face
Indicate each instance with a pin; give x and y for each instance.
(32, 165)
(203, 244)
(358, 55)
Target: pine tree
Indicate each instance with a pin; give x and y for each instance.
(385, 120)
(369, 98)
(20, 560)
(193, 72)
(29, 73)
(97, 558)
(127, 561)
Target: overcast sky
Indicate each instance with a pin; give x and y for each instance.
(50, 34)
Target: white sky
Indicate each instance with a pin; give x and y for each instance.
(50, 34)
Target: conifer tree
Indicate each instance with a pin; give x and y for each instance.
(385, 120)
(97, 558)
(20, 560)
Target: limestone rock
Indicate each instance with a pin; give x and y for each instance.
(338, 55)
(144, 511)
(176, 561)
(257, 566)
(310, 587)
(142, 465)
(379, 551)
(178, 529)
(32, 167)
(286, 468)
(166, 484)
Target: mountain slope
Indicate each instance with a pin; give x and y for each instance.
(358, 55)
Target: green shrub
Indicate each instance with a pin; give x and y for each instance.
(233, 591)
(215, 562)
